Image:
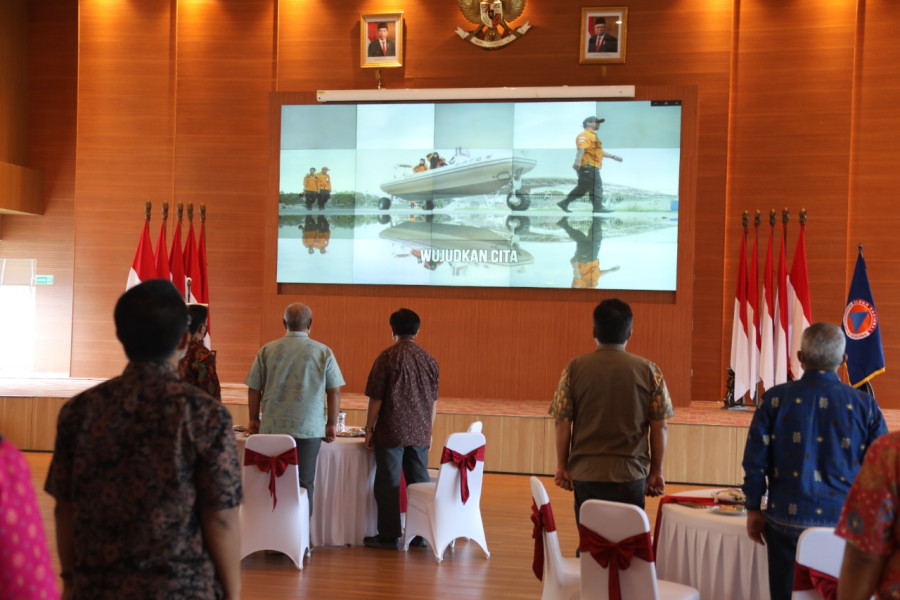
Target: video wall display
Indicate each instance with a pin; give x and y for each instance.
(509, 194)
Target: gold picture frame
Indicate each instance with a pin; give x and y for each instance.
(609, 25)
(370, 50)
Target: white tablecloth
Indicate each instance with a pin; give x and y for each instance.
(711, 552)
(344, 510)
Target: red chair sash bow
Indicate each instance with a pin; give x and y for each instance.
(465, 463)
(275, 466)
(543, 521)
(615, 556)
(675, 500)
(806, 578)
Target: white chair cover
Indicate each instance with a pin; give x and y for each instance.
(286, 527)
(435, 509)
(818, 548)
(562, 576)
(617, 521)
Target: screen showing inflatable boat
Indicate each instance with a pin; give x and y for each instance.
(510, 194)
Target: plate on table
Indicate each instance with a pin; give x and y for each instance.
(728, 510)
(732, 496)
(352, 432)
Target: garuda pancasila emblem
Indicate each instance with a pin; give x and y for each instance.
(492, 18)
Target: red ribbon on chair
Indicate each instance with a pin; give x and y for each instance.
(806, 578)
(543, 521)
(275, 466)
(615, 556)
(465, 463)
(675, 500)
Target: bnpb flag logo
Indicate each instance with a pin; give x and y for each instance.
(860, 319)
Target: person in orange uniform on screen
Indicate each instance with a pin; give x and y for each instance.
(316, 234)
(586, 271)
(324, 181)
(436, 160)
(419, 168)
(588, 160)
(311, 188)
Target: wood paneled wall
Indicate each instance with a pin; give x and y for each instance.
(794, 108)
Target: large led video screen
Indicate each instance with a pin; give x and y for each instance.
(491, 194)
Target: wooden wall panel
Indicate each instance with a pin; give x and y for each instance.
(225, 73)
(495, 343)
(172, 106)
(789, 145)
(49, 121)
(125, 135)
(873, 217)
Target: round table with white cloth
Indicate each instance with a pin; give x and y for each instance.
(710, 551)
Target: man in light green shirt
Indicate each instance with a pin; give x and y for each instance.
(290, 379)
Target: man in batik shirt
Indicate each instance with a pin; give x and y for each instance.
(806, 442)
(403, 392)
(199, 363)
(145, 471)
(611, 408)
(869, 523)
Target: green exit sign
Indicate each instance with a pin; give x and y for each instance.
(43, 280)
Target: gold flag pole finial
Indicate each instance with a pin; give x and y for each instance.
(148, 206)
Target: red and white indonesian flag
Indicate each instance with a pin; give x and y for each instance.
(162, 255)
(782, 323)
(143, 267)
(753, 316)
(740, 360)
(767, 324)
(799, 304)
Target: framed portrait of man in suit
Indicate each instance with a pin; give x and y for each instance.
(381, 40)
(603, 34)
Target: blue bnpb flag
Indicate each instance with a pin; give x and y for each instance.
(865, 357)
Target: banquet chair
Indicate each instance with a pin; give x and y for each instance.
(618, 522)
(278, 521)
(561, 576)
(819, 557)
(437, 510)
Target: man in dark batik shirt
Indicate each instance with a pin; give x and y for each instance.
(198, 366)
(145, 471)
(402, 390)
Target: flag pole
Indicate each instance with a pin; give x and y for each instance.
(738, 369)
(754, 289)
(867, 385)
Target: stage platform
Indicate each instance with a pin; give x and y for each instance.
(705, 443)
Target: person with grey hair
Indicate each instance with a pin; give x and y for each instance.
(289, 382)
(805, 446)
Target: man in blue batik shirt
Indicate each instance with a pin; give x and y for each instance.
(806, 443)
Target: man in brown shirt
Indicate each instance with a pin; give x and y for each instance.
(402, 390)
(611, 409)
